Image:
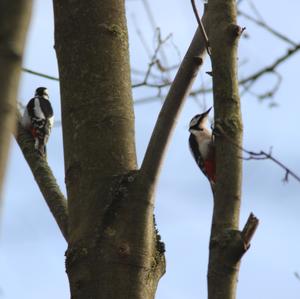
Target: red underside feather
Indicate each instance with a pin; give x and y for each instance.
(33, 132)
(210, 169)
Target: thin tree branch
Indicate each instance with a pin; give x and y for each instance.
(297, 275)
(255, 10)
(166, 121)
(154, 26)
(39, 74)
(262, 155)
(155, 62)
(272, 67)
(141, 36)
(200, 24)
(45, 179)
(143, 83)
(258, 74)
(268, 28)
(251, 79)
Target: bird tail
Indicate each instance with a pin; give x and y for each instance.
(40, 146)
(41, 137)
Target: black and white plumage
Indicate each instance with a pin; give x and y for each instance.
(202, 145)
(38, 118)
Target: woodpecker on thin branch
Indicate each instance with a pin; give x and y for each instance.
(202, 146)
(38, 119)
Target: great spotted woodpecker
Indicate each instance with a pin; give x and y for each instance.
(202, 146)
(38, 119)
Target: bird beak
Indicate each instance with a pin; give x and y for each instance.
(206, 113)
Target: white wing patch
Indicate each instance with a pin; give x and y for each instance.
(26, 121)
(37, 109)
(51, 121)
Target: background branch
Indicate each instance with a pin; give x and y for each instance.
(271, 30)
(154, 26)
(155, 81)
(271, 68)
(155, 62)
(251, 79)
(26, 70)
(45, 179)
(262, 155)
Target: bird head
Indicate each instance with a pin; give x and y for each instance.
(198, 122)
(42, 92)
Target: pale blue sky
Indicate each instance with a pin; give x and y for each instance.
(31, 247)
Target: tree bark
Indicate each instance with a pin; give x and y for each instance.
(14, 21)
(113, 249)
(226, 242)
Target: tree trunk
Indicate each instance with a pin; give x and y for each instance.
(226, 243)
(14, 21)
(107, 256)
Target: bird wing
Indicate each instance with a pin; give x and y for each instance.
(196, 152)
(46, 107)
(30, 108)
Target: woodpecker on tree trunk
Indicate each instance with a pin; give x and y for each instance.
(201, 143)
(38, 119)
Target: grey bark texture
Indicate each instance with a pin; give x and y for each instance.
(14, 21)
(227, 244)
(114, 250)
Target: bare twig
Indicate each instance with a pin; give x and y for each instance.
(150, 99)
(255, 10)
(39, 74)
(45, 179)
(250, 80)
(143, 83)
(262, 155)
(268, 28)
(141, 36)
(271, 92)
(154, 26)
(249, 230)
(155, 62)
(272, 67)
(200, 24)
(266, 94)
